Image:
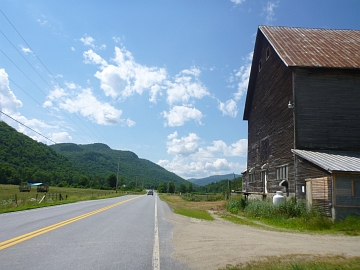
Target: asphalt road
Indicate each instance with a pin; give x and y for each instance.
(128, 232)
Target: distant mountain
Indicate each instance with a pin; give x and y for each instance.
(99, 159)
(212, 179)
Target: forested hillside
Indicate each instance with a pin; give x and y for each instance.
(100, 160)
(24, 160)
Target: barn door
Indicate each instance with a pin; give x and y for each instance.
(308, 193)
(318, 192)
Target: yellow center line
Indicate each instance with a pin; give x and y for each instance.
(27, 236)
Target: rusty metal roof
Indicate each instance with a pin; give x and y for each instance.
(310, 47)
(332, 161)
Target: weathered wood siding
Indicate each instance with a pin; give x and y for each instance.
(327, 110)
(347, 200)
(304, 170)
(270, 123)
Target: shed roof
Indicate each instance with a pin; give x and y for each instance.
(332, 161)
(310, 47)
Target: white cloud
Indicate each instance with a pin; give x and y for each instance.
(242, 76)
(60, 137)
(72, 48)
(126, 77)
(238, 148)
(191, 160)
(185, 86)
(25, 50)
(228, 108)
(90, 41)
(90, 57)
(183, 146)
(269, 11)
(238, 2)
(9, 104)
(178, 115)
(84, 102)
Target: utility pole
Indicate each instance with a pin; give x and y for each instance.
(117, 177)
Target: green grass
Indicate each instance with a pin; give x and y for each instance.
(301, 262)
(13, 200)
(190, 208)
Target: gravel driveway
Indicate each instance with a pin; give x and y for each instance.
(214, 244)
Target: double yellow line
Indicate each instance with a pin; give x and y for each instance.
(27, 236)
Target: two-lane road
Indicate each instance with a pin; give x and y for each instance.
(128, 232)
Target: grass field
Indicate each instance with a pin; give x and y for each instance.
(11, 199)
(192, 208)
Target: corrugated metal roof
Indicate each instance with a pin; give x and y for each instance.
(332, 161)
(309, 47)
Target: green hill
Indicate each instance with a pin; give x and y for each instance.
(23, 159)
(99, 159)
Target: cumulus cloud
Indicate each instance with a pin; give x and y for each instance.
(178, 115)
(10, 105)
(183, 146)
(126, 77)
(228, 108)
(8, 101)
(186, 85)
(84, 102)
(90, 41)
(192, 160)
(238, 148)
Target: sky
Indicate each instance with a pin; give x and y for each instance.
(165, 79)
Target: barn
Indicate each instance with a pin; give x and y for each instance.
(303, 114)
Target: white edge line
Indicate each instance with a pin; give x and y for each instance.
(156, 252)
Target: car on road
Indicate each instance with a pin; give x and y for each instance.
(150, 192)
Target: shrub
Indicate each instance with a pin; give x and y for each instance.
(235, 204)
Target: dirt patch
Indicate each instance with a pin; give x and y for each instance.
(214, 244)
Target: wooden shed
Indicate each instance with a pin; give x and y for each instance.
(304, 95)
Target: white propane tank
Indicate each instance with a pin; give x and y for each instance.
(278, 198)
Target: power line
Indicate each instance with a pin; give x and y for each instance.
(28, 127)
(33, 52)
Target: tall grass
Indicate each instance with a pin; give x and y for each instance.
(292, 215)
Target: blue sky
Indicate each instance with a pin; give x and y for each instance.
(164, 79)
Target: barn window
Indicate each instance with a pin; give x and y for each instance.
(282, 173)
(252, 177)
(267, 53)
(355, 188)
(260, 66)
(262, 175)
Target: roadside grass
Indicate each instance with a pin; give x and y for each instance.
(12, 200)
(292, 215)
(191, 208)
(300, 262)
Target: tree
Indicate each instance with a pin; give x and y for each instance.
(161, 188)
(182, 188)
(111, 180)
(190, 187)
(171, 187)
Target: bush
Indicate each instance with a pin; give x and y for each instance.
(235, 204)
